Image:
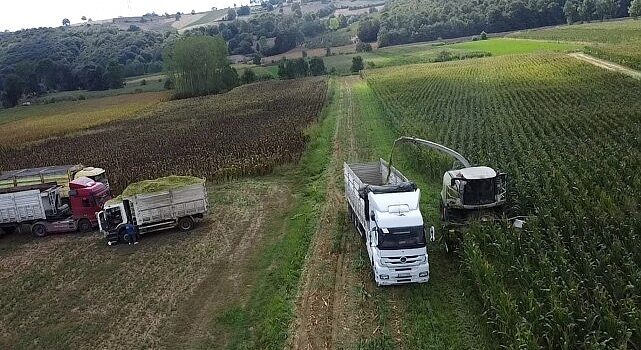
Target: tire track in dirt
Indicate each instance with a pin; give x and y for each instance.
(607, 65)
(229, 280)
(331, 308)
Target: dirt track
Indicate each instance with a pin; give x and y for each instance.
(332, 309)
(607, 65)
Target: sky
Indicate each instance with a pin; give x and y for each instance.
(21, 14)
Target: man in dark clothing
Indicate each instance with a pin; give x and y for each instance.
(132, 233)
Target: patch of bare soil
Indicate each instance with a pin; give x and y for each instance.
(73, 291)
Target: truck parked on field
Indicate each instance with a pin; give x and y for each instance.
(387, 217)
(40, 207)
(61, 175)
(154, 205)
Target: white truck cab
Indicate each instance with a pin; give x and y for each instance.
(388, 217)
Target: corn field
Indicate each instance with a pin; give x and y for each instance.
(248, 131)
(569, 136)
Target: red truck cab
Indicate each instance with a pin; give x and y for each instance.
(86, 198)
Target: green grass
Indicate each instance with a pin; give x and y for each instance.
(263, 323)
(442, 314)
(618, 41)
(506, 46)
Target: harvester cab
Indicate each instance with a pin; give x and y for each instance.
(469, 192)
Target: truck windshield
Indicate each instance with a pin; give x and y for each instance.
(401, 238)
(113, 218)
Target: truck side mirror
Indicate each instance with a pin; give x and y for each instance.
(453, 182)
(372, 217)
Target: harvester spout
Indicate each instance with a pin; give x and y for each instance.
(430, 144)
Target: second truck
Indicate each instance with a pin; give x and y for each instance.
(40, 207)
(386, 213)
(154, 205)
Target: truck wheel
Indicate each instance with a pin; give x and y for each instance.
(123, 237)
(39, 230)
(84, 225)
(185, 224)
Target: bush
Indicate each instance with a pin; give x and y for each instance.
(363, 47)
(143, 82)
(82, 97)
(357, 64)
(169, 84)
(248, 76)
(257, 59)
(316, 66)
(483, 35)
(475, 38)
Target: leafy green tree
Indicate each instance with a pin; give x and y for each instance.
(570, 11)
(231, 14)
(248, 76)
(13, 90)
(334, 24)
(342, 20)
(244, 11)
(363, 47)
(198, 65)
(368, 30)
(289, 69)
(357, 64)
(114, 75)
(587, 10)
(66, 22)
(606, 9)
(257, 59)
(316, 66)
(635, 9)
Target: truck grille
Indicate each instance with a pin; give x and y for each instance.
(401, 261)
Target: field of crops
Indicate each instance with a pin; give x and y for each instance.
(22, 125)
(247, 131)
(567, 133)
(618, 41)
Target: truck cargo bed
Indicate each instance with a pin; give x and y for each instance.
(169, 205)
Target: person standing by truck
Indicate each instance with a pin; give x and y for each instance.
(132, 233)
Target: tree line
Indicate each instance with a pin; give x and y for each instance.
(406, 21)
(35, 61)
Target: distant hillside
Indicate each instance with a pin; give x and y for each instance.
(408, 21)
(68, 58)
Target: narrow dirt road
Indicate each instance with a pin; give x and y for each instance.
(330, 312)
(606, 65)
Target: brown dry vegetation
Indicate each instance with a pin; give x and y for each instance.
(249, 130)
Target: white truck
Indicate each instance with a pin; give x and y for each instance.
(387, 217)
(154, 205)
